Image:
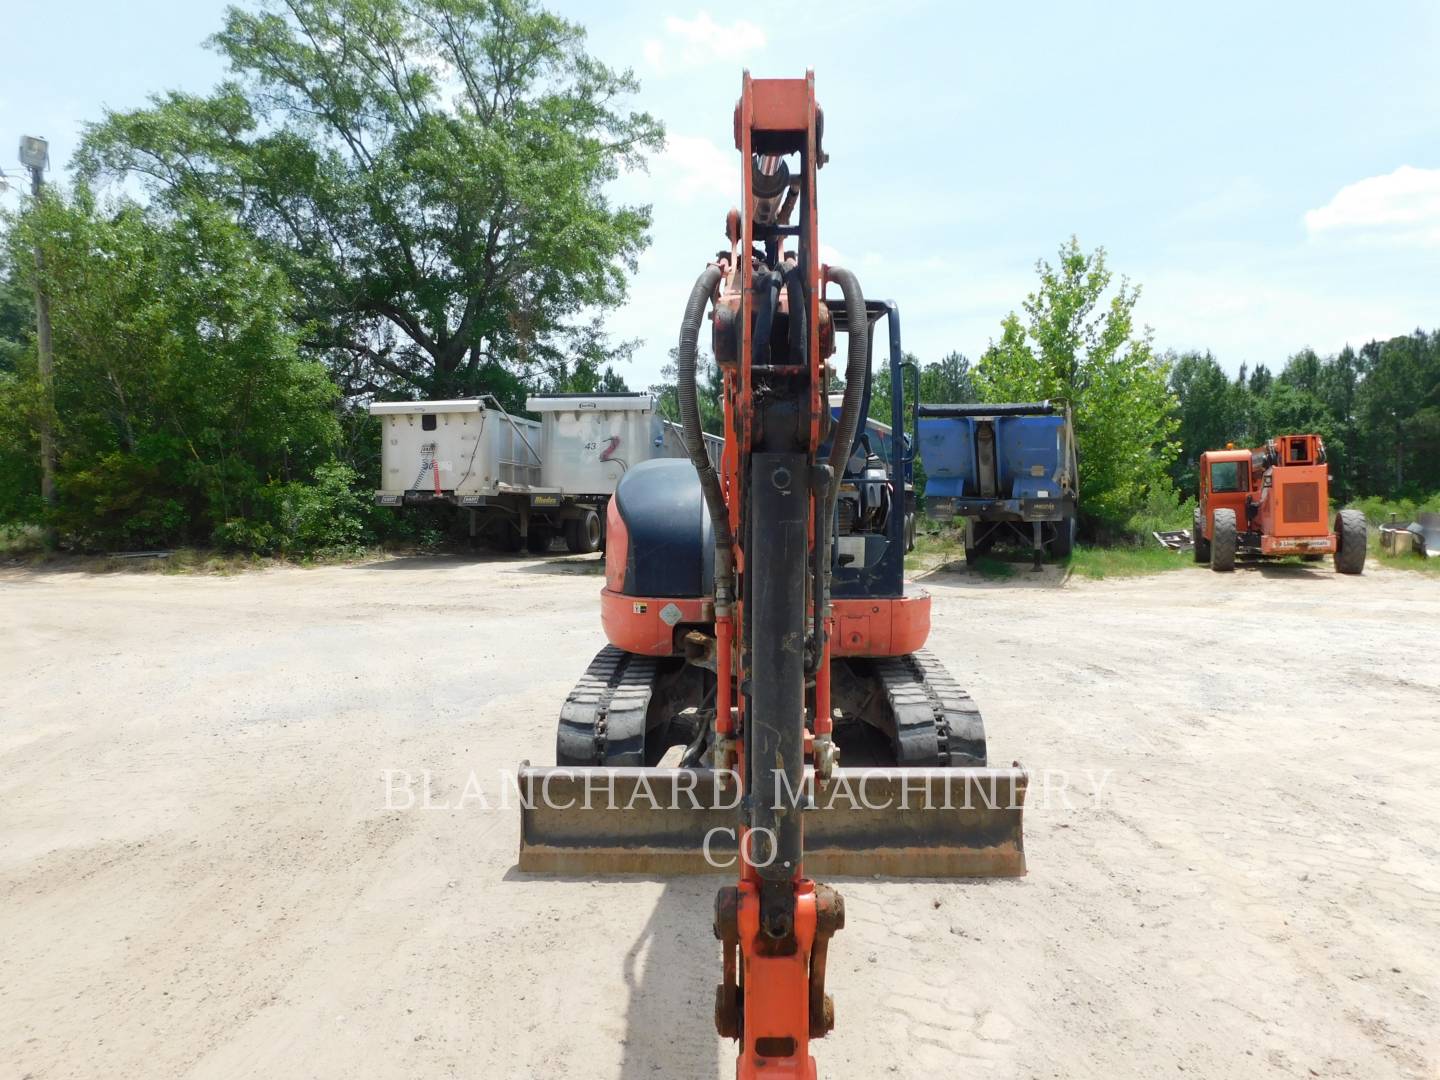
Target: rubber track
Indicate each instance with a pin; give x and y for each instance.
(603, 719)
(936, 722)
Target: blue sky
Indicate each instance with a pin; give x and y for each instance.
(1269, 173)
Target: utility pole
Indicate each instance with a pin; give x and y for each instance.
(35, 156)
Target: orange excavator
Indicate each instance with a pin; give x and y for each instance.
(757, 634)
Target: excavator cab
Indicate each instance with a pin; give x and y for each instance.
(876, 501)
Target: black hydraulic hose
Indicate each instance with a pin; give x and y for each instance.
(767, 291)
(799, 316)
(856, 372)
(694, 435)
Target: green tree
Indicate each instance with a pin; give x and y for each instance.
(430, 175)
(952, 379)
(1315, 394)
(183, 411)
(1076, 347)
(17, 319)
(1291, 410)
(1339, 389)
(1398, 405)
(1210, 408)
(709, 387)
(590, 371)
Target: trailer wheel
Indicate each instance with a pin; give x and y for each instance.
(910, 532)
(1064, 543)
(582, 534)
(1350, 540)
(979, 540)
(507, 537)
(1202, 546)
(537, 541)
(1223, 541)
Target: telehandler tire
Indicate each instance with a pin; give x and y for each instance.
(1350, 540)
(1202, 546)
(1223, 541)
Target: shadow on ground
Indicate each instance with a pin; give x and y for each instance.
(995, 572)
(437, 561)
(568, 565)
(671, 971)
(1286, 570)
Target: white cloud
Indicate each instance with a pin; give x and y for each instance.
(1400, 207)
(692, 43)
(691, 166)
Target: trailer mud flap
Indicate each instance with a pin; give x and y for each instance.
(893, 822)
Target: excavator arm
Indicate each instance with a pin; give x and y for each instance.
(767, 796)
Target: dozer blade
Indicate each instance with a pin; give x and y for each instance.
(895, 822)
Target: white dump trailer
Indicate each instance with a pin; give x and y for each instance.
(588, 441)
(473, 454)
(523, 481)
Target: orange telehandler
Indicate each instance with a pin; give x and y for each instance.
(1273, 501)
(757, 634)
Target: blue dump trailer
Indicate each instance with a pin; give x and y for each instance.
(1008, 470)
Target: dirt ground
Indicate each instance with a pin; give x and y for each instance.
(1233, 843)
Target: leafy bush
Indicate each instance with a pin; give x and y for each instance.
(1162, 511)
(1378, 510)
(183, 412)
(328, 516)
(1076, 347)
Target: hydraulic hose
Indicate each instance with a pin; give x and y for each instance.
(799, 316)
(857, 369)
(694, 435)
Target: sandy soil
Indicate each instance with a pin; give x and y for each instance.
(1234, 872)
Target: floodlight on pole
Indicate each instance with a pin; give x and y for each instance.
(34, 152)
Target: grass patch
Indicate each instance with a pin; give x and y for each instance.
(1098, 563)
(1378, 511)
(185, 560)
(993, 568)
(17, 541)
(935, 548)
(946, 546)
(1414, 563)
